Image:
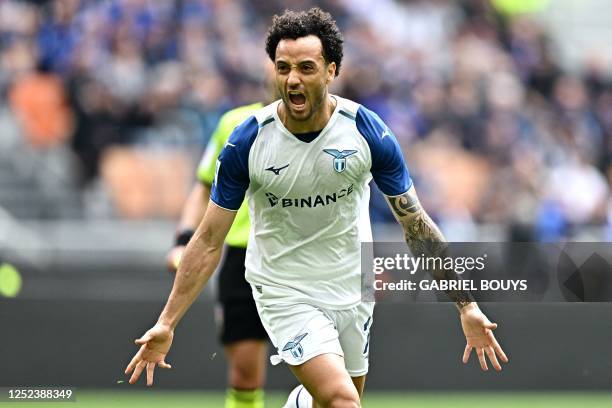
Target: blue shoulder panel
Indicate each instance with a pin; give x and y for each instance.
(232, 173)
(388, 168)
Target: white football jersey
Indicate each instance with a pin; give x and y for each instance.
(308, 200)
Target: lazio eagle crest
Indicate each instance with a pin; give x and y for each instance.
(339, 158)
(295, 347)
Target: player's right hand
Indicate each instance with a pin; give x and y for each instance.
(173, 258)
(154, 345)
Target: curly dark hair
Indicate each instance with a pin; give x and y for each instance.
(297, 24)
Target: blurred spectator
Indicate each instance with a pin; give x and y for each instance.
(40, 105)
(145, 184)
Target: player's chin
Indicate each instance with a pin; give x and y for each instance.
(299, 112)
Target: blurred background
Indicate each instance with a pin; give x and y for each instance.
(503, 109)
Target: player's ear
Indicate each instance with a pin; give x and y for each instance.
(331, 72)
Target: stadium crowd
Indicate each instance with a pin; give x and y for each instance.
(117, 99)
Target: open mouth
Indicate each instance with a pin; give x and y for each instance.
(297, 99)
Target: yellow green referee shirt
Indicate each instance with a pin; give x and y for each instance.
(238, 235)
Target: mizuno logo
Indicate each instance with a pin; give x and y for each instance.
(276, 171)
(385, 133)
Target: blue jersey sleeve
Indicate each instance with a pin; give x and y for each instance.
(232, 170)
(388, 168)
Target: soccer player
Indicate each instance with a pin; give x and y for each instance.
(304, 163)
(242, 334)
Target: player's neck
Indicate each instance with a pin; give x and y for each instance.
(317, 121)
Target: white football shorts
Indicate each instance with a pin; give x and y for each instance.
(302, 331)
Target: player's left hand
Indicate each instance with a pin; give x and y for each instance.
(478, 331)
(154, 345)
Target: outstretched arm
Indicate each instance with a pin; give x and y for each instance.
(229, 185)
(198, 264)
(423, 237)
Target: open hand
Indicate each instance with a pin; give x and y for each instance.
(478, 331)
(154, 345)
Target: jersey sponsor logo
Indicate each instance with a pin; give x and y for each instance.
(319, 200)
(339, 161)
(276, 171)
(295, 347)
(272, 199)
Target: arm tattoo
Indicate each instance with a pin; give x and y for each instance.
(404, 204)
(423, 237)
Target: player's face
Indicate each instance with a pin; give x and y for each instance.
(302, 76)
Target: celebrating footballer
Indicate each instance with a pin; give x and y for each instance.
(304, 164)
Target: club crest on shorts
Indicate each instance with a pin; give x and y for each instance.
(339, 162)
(295, 347)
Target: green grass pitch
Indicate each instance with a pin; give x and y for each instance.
(187, 399)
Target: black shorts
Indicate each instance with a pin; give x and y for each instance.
(237, 315)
